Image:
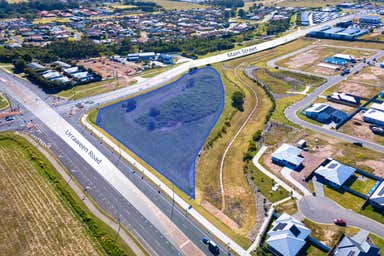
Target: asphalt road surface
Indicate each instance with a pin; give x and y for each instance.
(291, 112)
(109, 199)
(325, 210)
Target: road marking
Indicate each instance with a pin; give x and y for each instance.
(3, 80)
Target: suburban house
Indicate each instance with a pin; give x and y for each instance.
(334, 173)
(374, 116)
(357, 245)
(287, 236)
(377, 197)
(324, 113)
(288, 156)
(344, 98)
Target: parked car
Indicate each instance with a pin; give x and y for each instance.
(340, 222)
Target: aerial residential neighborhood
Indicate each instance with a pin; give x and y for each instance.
(192, 127)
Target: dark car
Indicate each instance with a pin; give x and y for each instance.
(340, 222)
(205, 240)
(359, 144)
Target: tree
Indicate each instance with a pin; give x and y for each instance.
(19, 65)
(242, 14)
(238, 100)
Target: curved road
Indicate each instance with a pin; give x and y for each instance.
(325, 210)
(291, 111)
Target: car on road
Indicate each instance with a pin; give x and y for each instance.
(9, 118)
(359, 144)
(340, 222)
(212, 246)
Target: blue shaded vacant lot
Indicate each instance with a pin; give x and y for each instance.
(167, 127)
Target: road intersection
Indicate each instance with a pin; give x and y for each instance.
(69, 133)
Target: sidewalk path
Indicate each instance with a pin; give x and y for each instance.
(286, 172)
(255, 161)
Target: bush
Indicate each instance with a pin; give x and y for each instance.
(238, 100)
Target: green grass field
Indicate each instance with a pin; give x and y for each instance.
(41, 215)
(92, 89)
(3, 102)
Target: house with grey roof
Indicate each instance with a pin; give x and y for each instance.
(357, 245)
(334, 173)
(288, 236)
(288, 156)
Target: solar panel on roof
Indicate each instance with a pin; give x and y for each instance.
(295, 231)
(332, 166)
(280, 226)
(319, 107)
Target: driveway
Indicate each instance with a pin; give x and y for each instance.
(324, 210)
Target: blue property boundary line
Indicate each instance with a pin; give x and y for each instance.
(192, 171)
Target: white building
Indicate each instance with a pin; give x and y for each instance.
(374, 116)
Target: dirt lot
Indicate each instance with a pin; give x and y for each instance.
(110, 69)
(33, 220)
(358, 128)
(309, 60)
(356, 88)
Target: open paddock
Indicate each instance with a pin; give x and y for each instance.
(309, 61)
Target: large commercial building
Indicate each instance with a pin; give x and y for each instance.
(370, 19)
(339, 33)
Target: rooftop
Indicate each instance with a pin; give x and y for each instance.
(335, 172)
(287, 235)
(288, 153)
(378, 195)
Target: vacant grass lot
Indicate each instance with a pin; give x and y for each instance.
(34, 220)
(42, 214)
(264, 184)
(91, 89)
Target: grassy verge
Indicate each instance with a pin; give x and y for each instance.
(265, 184)
(281, 104)
(4, 103)
(91, 89)
(289, 207)
(97, 229)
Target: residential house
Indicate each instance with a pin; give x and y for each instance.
(334, 173)
(288, 156)
(287, 236)
(357, 245)
(377, 197)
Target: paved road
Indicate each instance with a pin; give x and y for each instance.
(166, 76)
(324, 210)
(148, 229)
(291, 111)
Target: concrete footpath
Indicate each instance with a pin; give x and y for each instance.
(80, 193)
(284, 185)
